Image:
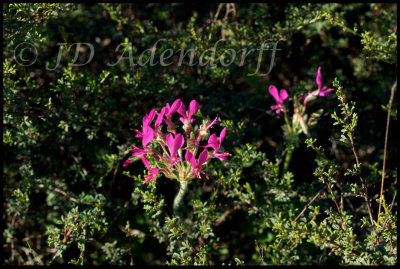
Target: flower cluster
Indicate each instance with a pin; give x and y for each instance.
(299, 116)
(166, 149)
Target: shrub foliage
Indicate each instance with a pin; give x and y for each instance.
(290, 193)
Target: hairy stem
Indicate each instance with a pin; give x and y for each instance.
(179, 197)
(288, 158)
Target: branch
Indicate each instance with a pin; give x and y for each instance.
(390, 210)
(385, 149)
(363, 182)
(72, 199)
(305, 208)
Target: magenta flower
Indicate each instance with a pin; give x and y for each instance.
(279, 98)
(153, 171)
(147, 137)
(147, 119)
(203, 157)
(174, 144)
(215, 143)
(187, 115)
(169, 110)
(322, 90)
(126, 163)
(160, 117)
(204, 130)
(211, 123)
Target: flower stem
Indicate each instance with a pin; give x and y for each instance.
(287, 158)
(287, 121)
(179, 197)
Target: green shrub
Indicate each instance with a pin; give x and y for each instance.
(292, 192)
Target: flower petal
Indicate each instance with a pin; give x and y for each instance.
(274, 92)
(190, 158)
(221, 156)
(170, 141)
(178, 143)
(203, 158)
(318, 78)
(175, 106)
(222, 136)
(126, 163)
(160, 117)
(145, 162)
(182, 110)
(193, 108)
(148, 135)
(213, 142)
(283, 95)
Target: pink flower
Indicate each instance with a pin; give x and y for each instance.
(187, 115)
(279, 98)
(147, 119)
(211, 123)
(166, 112)
(322, 90)
(126, 163)
(203, 157)
(169, 110)
(204, 132)
(160, 117)
(153, 171)
(215, 143)
(174, 144)
(147, 137)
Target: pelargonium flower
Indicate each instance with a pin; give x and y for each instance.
(187, 115)
(203, 157)
(174, 144)
(147, 137)
(169, 110)
(153, 171)
(215, 142)
(279, 98)
(167, 150)
(204, 129)
(322, 90)
(147, 119)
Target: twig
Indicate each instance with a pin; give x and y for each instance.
(390, 210)
(363, 182)
(113, 179)
(385, 149)
(80, 257)
(305, 208)
(216, 14)
(262, 252)
(334, 200)
(336, 220)
(219, 184)
(116, 217)
(228, 212)
(72, 199)
(68, 233)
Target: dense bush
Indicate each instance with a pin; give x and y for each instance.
(303, 185)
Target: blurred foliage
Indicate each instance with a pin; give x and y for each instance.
(67, 132)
